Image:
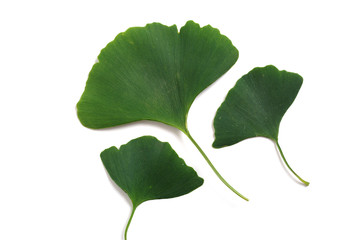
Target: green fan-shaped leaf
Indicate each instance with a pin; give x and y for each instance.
(155, 73)
(255, 107)
(147, 169)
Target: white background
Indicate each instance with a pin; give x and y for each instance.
(53, 184)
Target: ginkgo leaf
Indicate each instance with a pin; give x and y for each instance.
(147, 169)
(255, 107)
(155, 73)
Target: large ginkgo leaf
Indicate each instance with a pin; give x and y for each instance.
(155, 73)
(147, 169)
(255, 107)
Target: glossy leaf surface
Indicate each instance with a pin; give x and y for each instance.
(148, 169)
(255, 106)
(154, 73)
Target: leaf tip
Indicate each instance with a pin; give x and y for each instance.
(215, 144)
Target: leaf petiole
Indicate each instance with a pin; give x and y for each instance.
(129, 221)
(212, 167)
(284, 159)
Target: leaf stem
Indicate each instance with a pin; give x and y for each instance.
(284, 159)
(130, 219)
(213, 168)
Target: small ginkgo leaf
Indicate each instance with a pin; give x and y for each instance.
(147, 169)
(155, 73)
(255, 107)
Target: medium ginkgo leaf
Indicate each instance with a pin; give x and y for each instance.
(147, 169)
(255, 107)
(155, 73)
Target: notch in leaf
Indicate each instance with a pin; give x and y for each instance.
(155, 73)
(148, 169)
(255, 107)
